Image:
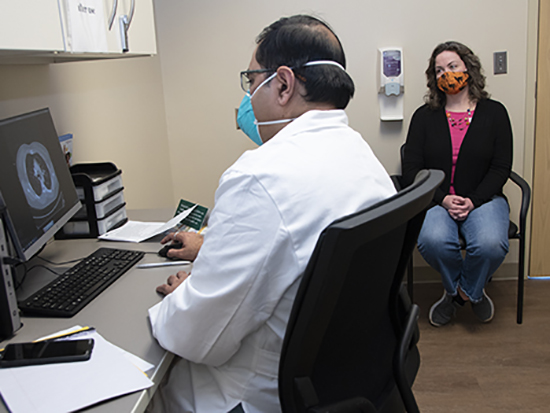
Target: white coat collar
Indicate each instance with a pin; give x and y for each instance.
(311, 120)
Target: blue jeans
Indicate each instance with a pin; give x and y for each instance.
(486, 233)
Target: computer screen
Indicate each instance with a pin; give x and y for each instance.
(36, 186)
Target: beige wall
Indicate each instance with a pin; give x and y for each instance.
(114, 109)
(169, 121)
(203, 45)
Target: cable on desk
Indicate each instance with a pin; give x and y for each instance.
(18, 284)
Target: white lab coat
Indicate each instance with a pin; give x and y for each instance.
(228, 319)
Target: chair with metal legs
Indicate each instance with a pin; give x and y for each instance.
(515, 231)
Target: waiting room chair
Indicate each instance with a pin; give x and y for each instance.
(350, 344)
(514, 232)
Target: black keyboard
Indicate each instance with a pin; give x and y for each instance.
(73, 290)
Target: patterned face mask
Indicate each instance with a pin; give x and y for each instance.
(452, 82)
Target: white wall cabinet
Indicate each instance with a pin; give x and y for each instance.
(37, 31)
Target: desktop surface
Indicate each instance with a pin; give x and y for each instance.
(119, 313)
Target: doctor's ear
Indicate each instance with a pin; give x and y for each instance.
(287, 84)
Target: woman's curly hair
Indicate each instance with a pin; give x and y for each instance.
(435, 98)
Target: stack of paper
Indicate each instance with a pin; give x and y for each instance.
(66, 387)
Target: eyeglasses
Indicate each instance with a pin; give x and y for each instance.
(246, 81)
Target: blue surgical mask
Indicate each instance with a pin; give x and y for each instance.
(247, 121)
(246, 118)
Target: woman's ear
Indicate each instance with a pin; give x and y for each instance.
(287, 84)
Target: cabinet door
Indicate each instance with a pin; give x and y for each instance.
(111, 9)
(37, 28)
(141, 33)
(140, 36)
(30, 25)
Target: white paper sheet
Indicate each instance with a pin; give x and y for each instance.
(86, 28)
(138, 362)
(134, 231)
(67, 387)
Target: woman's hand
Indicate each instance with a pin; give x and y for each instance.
(457, 206)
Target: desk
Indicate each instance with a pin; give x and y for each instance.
(119, 313)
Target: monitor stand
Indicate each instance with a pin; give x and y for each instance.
(9, 312)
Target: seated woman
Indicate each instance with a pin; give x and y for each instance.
(469, 137)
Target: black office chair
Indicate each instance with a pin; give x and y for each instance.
(350, 344)
(514, 232)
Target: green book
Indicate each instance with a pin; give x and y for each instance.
(195, 220)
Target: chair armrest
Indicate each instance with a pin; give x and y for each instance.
(396, 179)
(525, 199)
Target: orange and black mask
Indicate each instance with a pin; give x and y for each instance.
(452, 82)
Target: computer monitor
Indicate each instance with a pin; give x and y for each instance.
(37, 193)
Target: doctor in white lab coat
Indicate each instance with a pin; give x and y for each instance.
(227, 319)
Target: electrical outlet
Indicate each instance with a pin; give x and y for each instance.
(500, 63)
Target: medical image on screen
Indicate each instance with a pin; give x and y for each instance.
(35, 182)
(39, 181)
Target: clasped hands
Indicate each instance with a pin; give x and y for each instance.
(191, 244)
(458, 207)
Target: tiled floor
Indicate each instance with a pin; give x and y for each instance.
(501, 366)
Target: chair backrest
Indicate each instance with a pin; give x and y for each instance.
(346, 319)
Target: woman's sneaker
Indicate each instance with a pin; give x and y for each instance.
(484, 309)
(444, 310)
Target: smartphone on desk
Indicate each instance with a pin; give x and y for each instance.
(45, 352)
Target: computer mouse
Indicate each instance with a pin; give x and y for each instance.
(164, 250)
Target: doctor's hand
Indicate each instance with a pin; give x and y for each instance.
(191, 243)
(172, 283)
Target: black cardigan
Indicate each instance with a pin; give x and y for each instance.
(485, 158)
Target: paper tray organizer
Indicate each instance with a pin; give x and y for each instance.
(99, 187)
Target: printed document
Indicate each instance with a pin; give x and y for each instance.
(134, 231)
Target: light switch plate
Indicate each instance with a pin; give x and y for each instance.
(500, 63)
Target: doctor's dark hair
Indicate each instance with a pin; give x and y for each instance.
(435, 98)
(296, 40)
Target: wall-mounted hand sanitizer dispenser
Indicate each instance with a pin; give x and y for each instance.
(391, 87)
